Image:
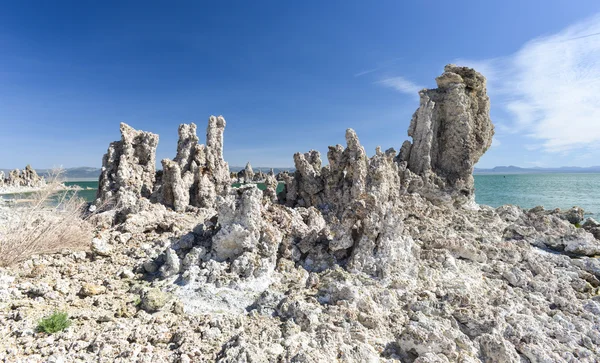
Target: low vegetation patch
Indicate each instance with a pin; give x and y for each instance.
(56, 322)
(49, 221)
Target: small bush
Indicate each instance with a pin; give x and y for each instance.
(54, 323)
(52, 220)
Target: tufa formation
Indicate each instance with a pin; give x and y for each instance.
(382, 258)
(21, 178)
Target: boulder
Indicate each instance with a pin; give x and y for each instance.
(153, 299)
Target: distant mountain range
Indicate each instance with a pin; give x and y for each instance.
(537, 170)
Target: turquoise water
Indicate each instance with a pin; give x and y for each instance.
(88, 192)
(89, 189)
(525, 190)
(549, 190)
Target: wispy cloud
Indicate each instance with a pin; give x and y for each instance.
(366, 72)
(495, 142)
(551, 87)
(401, 84)
(380, 66)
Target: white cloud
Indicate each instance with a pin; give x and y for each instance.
(365, 72)
(380, 66)
(401, 84)
(551, 87)
(495, 142)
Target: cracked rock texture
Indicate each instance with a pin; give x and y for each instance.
(374, 259)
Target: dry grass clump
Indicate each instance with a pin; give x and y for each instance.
(49, 221)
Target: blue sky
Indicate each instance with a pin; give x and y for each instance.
(291, 76)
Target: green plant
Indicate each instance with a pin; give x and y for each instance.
(54, 323)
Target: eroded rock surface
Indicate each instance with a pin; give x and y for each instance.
(246, 175)
(128, 170)
(362, 260)
(194, 177)
(198, 174)
(451, 130)
(26, 178)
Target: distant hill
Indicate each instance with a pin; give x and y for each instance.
(536, 170)
(82, 172)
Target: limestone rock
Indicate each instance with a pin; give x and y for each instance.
(573, 215)
(270, 193)
(27, 178)
(101, 247)
(128, 170)
(451, 129)
(359, 198)
(259, 177)
(152, 300)
(497, 349)
(89, 289)
(239, 217)
(198, 173)
(592, 226)
(246, 175)
(175, 189)
(365, 259)
(172, 265)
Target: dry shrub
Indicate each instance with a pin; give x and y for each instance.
(50, 221)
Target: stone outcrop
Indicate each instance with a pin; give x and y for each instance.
(359, 198)
(362, 200)
(246, 175)
(194, 177)
(381, 258)
(451, 130)
(198, 174)
(259, 177)
(128, 170)
(27, 178)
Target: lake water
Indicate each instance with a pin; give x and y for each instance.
(89, 189)
(525, 190)
(549, 190)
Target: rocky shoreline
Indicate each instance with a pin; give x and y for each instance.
(385, 258)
